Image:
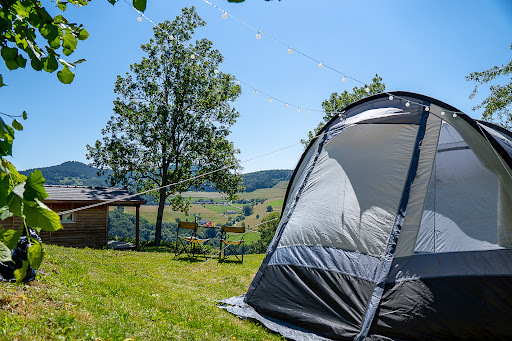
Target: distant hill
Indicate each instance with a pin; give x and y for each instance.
(71, 173)
(74, 173)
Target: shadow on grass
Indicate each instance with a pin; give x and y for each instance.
(230, 261)
(159, 249)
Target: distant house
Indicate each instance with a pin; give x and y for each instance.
(232, 212)
(87, 227)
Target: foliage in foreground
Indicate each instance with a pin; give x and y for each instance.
(497, 104)
(85, 294)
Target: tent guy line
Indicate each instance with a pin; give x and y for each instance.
(173, 184)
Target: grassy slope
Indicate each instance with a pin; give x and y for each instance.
(86, 294)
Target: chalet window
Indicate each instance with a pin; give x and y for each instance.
(67, 218)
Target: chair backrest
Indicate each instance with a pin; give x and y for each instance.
(187, 225)
(233, 229)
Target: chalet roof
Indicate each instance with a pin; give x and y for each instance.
(58, 193)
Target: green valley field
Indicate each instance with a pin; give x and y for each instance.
(84, 294)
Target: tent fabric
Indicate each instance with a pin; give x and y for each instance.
(394, 220)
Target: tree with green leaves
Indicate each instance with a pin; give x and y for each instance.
(25, 27)
(171, 120)
(337, 102)
(497, 105)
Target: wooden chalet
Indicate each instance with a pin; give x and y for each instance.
(88, 227)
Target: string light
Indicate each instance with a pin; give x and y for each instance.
(298, 109)
(255, 92)
(407, 104)
(290, 50)
(270, 100)
(454, 115)
(442, 113)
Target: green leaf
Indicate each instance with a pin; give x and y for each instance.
(34, 187)
(65, 75)
(22, 62)
(24, 115)
(21, 273)
(35, 254)
(50, 63)
(69, 41)
(83, 34)
(55, 43)
(12, 64)
(140, 5)
(66, 51)
(1, 81)
(49, 31)
(61, 5)
(9, 53)
(15, 204)
(36, 64)
(38, 214)
(5, 253)
(17, 125)
(11, 237)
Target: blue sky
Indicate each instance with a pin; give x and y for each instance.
(426, 47)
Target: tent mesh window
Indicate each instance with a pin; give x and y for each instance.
(464, 197)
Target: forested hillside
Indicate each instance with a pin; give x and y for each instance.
(74, 173)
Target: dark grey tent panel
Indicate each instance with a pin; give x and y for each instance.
(397, 224)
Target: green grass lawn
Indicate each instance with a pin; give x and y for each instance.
(221, 208)
(84, 294)
(278, 203)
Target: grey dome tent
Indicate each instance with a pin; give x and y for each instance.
(397, 224)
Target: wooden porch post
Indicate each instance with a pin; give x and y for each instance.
(137, 227)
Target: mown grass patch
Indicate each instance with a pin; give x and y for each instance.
(84, 294)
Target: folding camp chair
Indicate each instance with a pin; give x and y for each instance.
(190, 245)
(230, 248)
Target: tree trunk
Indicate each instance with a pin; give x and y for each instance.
(159, 216)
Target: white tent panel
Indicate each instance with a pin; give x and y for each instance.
(351, 199)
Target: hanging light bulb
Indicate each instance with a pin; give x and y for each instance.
(427, 108)
(454, 115)
(442, 113)
(139, 19)
(289, 51)
(270, 100)
(171, 37)
(255, 92)
(287, 105)
(192, 56)
(237, 82)
(320, 65)
(309, 111)
(344, 79)
(298, 109)
(224, 15)
(258, 36)
(216, 71)
(391, 97)
(367, 89)
(340, 115)
(407, 104)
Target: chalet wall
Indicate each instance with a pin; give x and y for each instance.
(90, 228)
